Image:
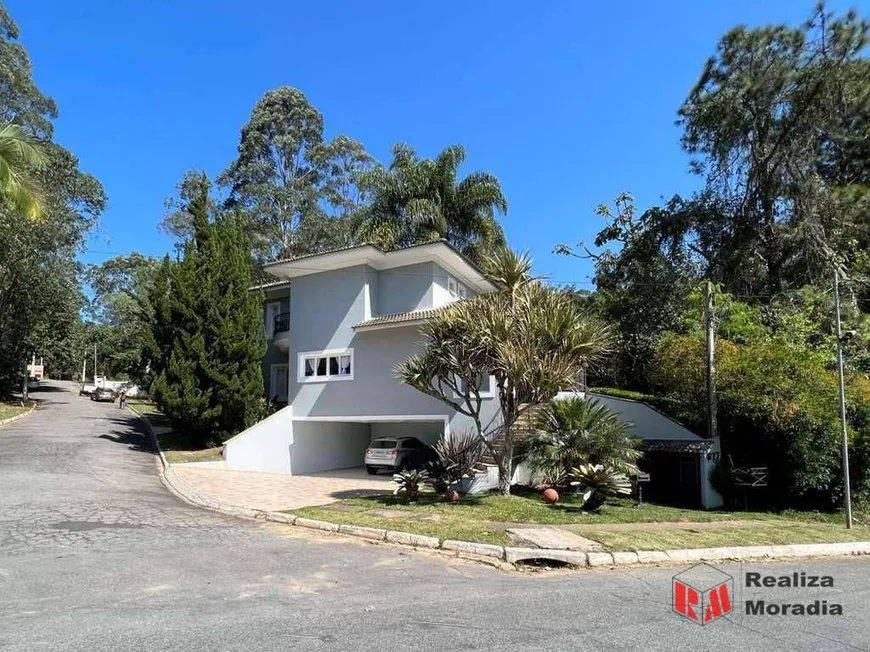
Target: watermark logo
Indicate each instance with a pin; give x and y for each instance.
(702, 594)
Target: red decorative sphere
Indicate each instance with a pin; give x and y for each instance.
(550, 496)
(451, 496)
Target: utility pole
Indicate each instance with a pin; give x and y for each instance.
(712, 426)
(95, 363)
(843, 433)
(84, 366)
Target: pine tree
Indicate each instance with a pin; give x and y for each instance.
(208, 340)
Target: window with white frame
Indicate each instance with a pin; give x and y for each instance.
(455, 289)
(317, 366)
(485, 385)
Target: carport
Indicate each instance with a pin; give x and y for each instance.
(324, 444)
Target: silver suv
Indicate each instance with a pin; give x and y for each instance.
(395, 453)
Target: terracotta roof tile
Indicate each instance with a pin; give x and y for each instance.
(399, 318)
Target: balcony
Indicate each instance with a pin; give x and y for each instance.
(281, 331)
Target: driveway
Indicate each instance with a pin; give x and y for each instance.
(279, 491)
(95, 555)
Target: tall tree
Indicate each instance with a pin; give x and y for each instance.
(419, 200)
(772, 125)
(39, 293)
(207, 339)
(296, 190)
(121, 313)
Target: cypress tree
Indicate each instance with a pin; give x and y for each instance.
(208, 334)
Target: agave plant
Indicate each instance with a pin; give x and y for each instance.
(409, 482)
(577, 431)
(598, 483)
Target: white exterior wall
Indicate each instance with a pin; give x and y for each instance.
(322, 446)
(427, 431)
(264, 446)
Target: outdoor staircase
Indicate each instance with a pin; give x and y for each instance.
(525, 424)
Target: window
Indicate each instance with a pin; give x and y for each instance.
(317, 366)
(273, 309)
(455, 289)
(485, 385)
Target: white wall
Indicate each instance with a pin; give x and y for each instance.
(322, 446)
(264, 446)
(426, 431)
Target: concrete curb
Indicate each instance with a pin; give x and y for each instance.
(509, 554)
(18, 416)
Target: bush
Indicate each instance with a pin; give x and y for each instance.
(410, 482)
(778, 407)
(577, 431)
(598, 483)
(458, 457)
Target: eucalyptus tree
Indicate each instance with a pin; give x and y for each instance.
(297, 191)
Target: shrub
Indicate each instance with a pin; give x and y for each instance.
(778, 407)
(409, 482)
(576, 431)
(598, 483)
(458, 457)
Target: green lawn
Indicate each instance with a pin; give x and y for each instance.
(9, 409)
(618, 526)
(176, 447)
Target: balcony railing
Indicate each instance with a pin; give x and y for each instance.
(281, 323)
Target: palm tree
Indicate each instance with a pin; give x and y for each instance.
(574, 432)
(419, 200)
(19, 158)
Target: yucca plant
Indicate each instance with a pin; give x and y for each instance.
(598, 483)
(458, 457)
(410, 482)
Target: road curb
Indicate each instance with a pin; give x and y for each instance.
(511, 555)
(18, 416)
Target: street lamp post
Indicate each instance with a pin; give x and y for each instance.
(843, 432)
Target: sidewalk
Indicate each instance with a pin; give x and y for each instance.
(278, 491)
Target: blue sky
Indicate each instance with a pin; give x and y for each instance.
(568, 103)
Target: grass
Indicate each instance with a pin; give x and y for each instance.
(13, 408)
(618, 526)
(177, 447)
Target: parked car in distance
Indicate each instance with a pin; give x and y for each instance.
(397, 453)
(32, 383)
(87, 389)
(103, 394)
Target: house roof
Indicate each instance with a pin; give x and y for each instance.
(271, 285)
(438, 251)
(397, 319)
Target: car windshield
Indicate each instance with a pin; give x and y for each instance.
(383, 443)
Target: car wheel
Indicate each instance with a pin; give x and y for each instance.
(371, 470)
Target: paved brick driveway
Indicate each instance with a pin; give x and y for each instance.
(276, 491)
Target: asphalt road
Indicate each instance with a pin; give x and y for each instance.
(96, 555)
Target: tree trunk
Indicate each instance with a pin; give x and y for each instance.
(506, 465)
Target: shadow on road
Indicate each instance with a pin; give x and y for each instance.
(133, 438)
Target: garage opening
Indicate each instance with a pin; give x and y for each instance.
(329, 445)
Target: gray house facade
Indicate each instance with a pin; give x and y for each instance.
(353, 315)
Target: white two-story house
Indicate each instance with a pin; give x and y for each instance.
(339, 323)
